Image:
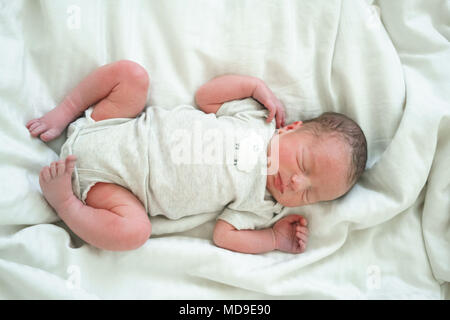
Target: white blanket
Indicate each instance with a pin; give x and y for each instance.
(388, 238)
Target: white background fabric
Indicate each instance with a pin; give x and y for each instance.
(388, 238)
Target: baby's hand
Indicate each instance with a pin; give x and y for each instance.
(291, 234)
(266, 97)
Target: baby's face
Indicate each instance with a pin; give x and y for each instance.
(310, 168)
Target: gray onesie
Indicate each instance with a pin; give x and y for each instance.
(181, 161)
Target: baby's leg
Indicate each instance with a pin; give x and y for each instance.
(119, 89)
(114, 218)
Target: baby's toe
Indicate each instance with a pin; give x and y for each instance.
(60, 167)
(70, 163)
(31, 122)
(53, 171)
(34, 126)
(71, 158)
(37, 128)
(45, 174)
(49, 135)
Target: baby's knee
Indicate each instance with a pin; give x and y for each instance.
(132, 235)
(133, 71)
(141, 234)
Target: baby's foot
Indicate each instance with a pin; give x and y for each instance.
(48, 126)
(56, 182)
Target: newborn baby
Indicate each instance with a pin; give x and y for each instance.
(178, 162)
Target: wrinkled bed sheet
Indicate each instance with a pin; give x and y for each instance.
(384, 63)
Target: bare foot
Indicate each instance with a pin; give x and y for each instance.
(50, 125)
(56, 182)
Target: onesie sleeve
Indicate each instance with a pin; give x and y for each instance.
(245, 109)
(243, 220)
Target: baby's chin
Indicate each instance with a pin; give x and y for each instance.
(276, 195)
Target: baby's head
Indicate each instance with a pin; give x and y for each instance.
(318, 160)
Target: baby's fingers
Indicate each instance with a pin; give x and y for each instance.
(272, 110)
(280, 112)
(302, 229)
(282, 117)
(302, 245)
(303, 221)
(279, 119)
(302, 236)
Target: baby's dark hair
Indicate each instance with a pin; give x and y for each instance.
(350, 131)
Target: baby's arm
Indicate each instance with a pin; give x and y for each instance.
(214, 93)
(289, 234)
(245, 241)
(210, 96)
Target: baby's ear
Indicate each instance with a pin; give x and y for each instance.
(294, 125)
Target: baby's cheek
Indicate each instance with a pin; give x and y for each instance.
(284, 153)
(292, 200)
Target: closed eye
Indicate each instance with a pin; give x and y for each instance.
(303, 161)
(300, 166)
(305, 196)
